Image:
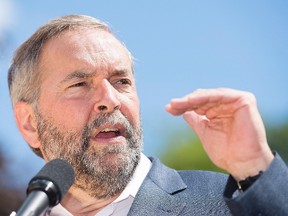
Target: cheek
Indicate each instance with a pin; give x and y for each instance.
(70, 114)
(131, 108)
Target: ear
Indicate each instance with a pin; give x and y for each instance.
(26, 122)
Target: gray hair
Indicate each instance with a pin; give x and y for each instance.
(24, 77)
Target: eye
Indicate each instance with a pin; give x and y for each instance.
(124, 82)
(80, 84)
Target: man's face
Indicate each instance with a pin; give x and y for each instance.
(88, 110)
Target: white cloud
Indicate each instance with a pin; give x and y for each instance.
(7, 14)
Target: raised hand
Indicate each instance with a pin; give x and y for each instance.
(230, 128)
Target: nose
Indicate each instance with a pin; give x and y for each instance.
(107, 100)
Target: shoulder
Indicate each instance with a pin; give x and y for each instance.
(204, 182)
(201, 191)
(203, 177)
(194, 179)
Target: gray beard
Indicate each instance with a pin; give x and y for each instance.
(101, 172)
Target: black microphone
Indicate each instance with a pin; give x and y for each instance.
(47, 188)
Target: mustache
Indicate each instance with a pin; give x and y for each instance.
(111, 118)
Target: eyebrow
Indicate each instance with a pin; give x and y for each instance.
(77, 75)
(120, 72)
(84, 75)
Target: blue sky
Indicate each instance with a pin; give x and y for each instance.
(179, 46)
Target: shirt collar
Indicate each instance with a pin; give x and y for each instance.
(139, 175)
(131, 189)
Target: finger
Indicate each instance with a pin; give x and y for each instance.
(178, 107)
(203, 100)
(221, 111)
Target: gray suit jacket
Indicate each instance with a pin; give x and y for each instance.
(169, 192)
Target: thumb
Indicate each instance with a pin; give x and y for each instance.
(197, 122)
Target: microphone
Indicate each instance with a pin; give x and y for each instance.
(47, 188)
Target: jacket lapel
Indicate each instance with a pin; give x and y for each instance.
(155, 196)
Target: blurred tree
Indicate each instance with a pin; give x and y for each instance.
(184, 150)
(278, 140)
(10, 198)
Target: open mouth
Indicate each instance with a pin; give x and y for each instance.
(109, 132)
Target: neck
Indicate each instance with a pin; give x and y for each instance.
(80, 203)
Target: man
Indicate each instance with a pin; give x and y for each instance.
(74, 97)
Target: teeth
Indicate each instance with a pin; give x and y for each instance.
(109, 130)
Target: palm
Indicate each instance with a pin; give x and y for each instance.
(228, 125)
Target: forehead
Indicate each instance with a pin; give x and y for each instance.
(95, 48)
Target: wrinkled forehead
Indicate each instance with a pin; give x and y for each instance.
(93, 42)
(94, 47)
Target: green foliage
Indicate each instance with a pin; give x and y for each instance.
(185, 152)
(278, 140)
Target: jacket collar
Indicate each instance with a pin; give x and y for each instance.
(155, 196)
